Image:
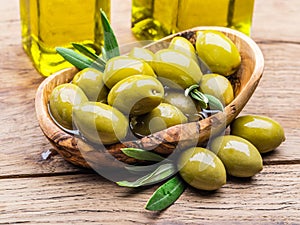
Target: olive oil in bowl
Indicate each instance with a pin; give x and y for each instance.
(154, 19)
(47, 24)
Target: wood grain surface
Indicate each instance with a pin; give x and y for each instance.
(270, 197)
(37, 191)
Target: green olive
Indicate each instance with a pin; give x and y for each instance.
(175, 69)
(121, 67)
(160, 118)
(185, 46)
(100, 123)
(218, 52)
(136, 95)
(91, 82)
(202, 169)
(141, 53)
(218, 86)
(184, 103)
(263, 132)
(240, 157)
(62, 100)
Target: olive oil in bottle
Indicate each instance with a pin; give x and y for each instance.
(47, 24)
(154, 19)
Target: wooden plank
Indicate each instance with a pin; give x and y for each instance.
(277, 96)
(276, 20)
(122, 24)
(273, 196)
(22, 141)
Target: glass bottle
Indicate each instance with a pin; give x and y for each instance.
(47, 24)
(154, 19)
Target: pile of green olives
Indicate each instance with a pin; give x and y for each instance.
(144, 92)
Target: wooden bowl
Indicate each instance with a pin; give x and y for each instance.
(76, 151)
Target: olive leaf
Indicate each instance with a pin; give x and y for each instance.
(78, 60)
(214, 103)
(191, 88)
(85, 51)
(142, 154)
(104, 55)
(161, 173)
(197, 95)
(111, 45)
(140, 169)
(166, 194)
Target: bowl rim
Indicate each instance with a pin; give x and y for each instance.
(61, 139)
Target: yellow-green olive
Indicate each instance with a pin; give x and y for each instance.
(120, 67)
(141, 53)
(218, 52)
(184, 103)
(218, 86)
(202, 169)
(263, 132)
(136, 95)
(91, 82)
(175, 69)
(160, 118)
(100, 123)
(62, 100)
(240, 157)
(185, 46)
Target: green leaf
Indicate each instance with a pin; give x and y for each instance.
(85, 51)
(190, 89)
(74, 58)
(166, 194)
(214, 103)
(111, 45)
(161, 173)
(200, 97)
(197, 95)
(142, 154)
(104, 55)
(78, 60)
(139, 169)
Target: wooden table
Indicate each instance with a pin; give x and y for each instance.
(33, 190)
